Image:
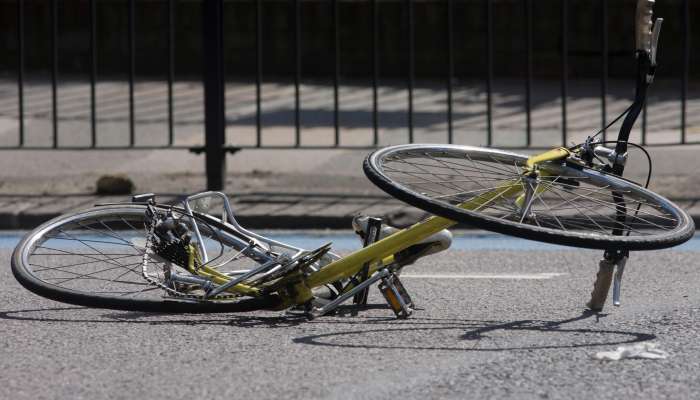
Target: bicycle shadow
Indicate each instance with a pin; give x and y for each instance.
(278, 320)
(475, 331)
(153, 318)
(469, 335)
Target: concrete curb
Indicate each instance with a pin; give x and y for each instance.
(22, 221)
(19, 221)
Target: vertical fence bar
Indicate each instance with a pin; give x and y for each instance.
(564, 67)
(20, 70)
(214, 100)
(93, 73)
(336, 72)
(528, 79)
(54, 70)
(411, 65)
(297, 71)
(171, 69)
(132, 68)
(644, 124)
(450, 67)
(375, 72)
(489, 72)
(258, 71)
(686, 68)
(604, 66)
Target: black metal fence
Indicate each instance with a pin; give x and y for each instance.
(214, 77)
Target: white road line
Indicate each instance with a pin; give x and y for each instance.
(540, 275)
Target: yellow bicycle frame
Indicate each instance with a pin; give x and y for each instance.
(380, 253)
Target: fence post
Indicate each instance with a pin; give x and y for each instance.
(214, 103)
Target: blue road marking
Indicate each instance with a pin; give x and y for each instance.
(348, 241)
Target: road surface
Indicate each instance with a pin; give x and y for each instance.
(497, 318)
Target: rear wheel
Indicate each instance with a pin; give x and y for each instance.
(95, 258)
(564, 204)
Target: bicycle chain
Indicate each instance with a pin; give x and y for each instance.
(170, 291)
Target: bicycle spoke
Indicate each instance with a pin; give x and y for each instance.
(614, 221)
(450, 164)
(89, 241)
(601, 230)
(459, 180)
(148, 288)
(488, 166)
(76, 254)
(449, 171)
(462, 167)
(91, 274)
(453, 187)
(131, 226)
(103, 233)
(116, 279)
(613, 206)
(82, 264)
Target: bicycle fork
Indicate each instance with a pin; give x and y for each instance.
(610, 271)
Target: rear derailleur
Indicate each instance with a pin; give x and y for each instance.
(171, 240)
(171, 237)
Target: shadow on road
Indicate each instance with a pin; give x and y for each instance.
(152, 318)
(477, 331)
(442, 334)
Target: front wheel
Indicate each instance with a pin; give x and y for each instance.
(564, 204)
(95, 258)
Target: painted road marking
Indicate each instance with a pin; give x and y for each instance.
(540, 275)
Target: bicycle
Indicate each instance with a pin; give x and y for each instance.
(158, 257)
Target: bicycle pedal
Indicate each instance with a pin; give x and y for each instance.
(396, 296)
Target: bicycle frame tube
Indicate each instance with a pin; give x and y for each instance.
(551, 155)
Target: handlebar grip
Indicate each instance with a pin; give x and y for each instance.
(644, 24)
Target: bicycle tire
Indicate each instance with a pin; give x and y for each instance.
(663, 224)
(39, 279)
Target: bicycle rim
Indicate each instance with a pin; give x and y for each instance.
(572, 206)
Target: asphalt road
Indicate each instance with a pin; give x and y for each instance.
(474, 336)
